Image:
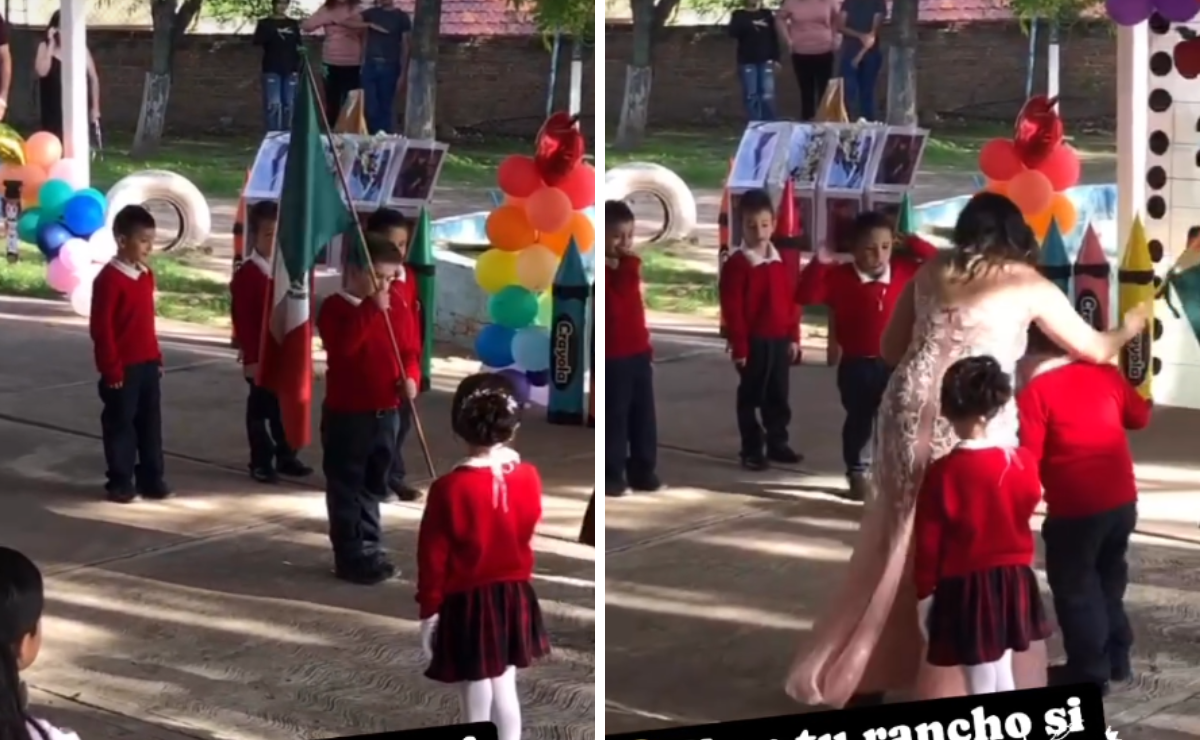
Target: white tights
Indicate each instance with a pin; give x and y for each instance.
(989, 678)
(494, 700)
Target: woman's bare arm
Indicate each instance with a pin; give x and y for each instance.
(1054, 314)
(44, 59)
(899, 332)
(93, 87)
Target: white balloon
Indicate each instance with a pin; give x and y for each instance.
(75, 254)
(102, 247)
(81, 300)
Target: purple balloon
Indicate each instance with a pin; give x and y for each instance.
(519, 382)
(538, 378)
(1129, 12)
(1177, 11)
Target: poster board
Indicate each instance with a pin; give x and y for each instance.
(762, 157)
(898, 160)
(415, 172)
(849, 156)
(886, 203)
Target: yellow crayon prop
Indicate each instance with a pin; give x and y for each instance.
(1135, 286)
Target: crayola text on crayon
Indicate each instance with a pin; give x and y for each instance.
(565, 350)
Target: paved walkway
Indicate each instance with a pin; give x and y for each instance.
(712, 585)
(214, 614)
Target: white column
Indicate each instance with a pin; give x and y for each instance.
(1133, 62)
(75, 83)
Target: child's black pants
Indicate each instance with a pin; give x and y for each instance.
(1088, 574)
(131, 423)
(631, 429)
(763, 391)
(861, 383)
(358, 450)
(264, 429)
(398, 472)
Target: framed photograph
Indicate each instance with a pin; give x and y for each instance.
(266, 174)
(806, 154)
(899, 159)
(367, 162)
(835, 221)
(851, 150)
(806, 205)
(760, 156)
(886, 203)
(418, 164)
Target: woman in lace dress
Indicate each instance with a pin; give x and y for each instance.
(977, 299)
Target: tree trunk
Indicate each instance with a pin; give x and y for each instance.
(902, 65)
(170, 23)
(1052, 62)
(419, 122)
(635, 105)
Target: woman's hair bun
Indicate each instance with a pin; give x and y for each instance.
(485, 411)
(992, 229)
(975, 387)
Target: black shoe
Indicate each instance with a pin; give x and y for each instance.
(405, 492)
(366, 571)
(616, 488)
(756, 463)
(120, 494)
(784, 456)
(156, 491)
(264, 475)
(292, 468)
(1063, 675)
(649, 484)
(1120, 670)
(860, 485)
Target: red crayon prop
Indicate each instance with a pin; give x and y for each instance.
(1093, 282)
(724, 219)
(787, 237)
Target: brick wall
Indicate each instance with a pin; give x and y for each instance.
(215, 86)
(972, 70)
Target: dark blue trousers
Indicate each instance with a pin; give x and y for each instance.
(131, 424)
(358, 451)
(631, 427)
(861, 383)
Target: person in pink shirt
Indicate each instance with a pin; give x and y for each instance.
(809, 27)
(341, 51)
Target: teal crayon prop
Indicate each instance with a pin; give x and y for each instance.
(1053, 262)
(568, 340)
(424, 266)
(1093, 282)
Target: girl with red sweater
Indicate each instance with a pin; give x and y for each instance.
(978, 596)
(480, 619)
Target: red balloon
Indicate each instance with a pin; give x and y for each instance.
(580, 186)
(998, 160)
(1062, 167)
(518, 176)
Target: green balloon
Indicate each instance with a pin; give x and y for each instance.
(27, 225)
(545, 306)
(53, 196)
(514, 307)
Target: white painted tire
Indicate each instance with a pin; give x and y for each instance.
(195, 218)
(659, 182)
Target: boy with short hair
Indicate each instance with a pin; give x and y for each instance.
(129, 360)
(861, 295)
(762, 324)
(631, 434)
(397, 229)
(270, 453)
(360, 417)
(1073, 418)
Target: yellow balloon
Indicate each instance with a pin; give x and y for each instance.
(12, 145)
(536, 266)
(496, 270)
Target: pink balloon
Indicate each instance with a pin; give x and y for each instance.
(70, 170)
(75, 254)
(61, 277)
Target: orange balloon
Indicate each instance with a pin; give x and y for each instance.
(511, 201)
(580, 227)
(997, 187)
(1031, 191)
(43, 149)
(1061, 210)
(1039, 223)
(31, 177)
(549, 209)
(508, 229)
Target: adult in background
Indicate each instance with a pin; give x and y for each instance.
(384, 63)
(753, 27)
(861, 54)
(809, 27)
(5, 67)
(48, 65)
(341, 50)
(279, 38)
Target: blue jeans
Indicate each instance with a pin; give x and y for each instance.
(758, 90)
(379, 81)
(859, 83)
(279, 92)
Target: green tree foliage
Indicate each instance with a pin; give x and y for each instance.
(1057, 12)
(575, 17)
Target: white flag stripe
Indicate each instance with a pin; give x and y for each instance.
(289, 310)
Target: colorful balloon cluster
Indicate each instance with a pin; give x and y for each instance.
(1133, 12)
(1034, 168)
(65, 220)
(543, 210)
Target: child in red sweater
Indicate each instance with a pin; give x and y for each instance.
(762, 324)
(978, 596)
(480, 619)
(130, 363)
(1074, 416)
(393, 226)
(861, 296)
(360, 418)
(270, 454)
(631, 433)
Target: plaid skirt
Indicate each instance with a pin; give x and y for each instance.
(975, 618)
(481, 632)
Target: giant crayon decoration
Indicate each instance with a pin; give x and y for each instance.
(1093, 282)
(1135, 286)
(423, 265)
(724, 215)
(1054, 262)
(568, 340)
(591, 419)
(906, 217)
(239, 247)
(787, 239)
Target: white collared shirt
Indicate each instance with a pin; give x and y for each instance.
(353, 300)
(260, 262)
(756, 258)
(883, 278)
(133, 271)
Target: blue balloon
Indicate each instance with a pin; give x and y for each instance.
(519, 382)
(540, 379)
(101, 198)
(494, 345)
(531, 349)
(83, 215)
(51, 237)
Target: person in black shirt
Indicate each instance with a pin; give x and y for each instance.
(279, 37)
(753, 27)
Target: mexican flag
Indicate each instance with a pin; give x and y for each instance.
(311, 213)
